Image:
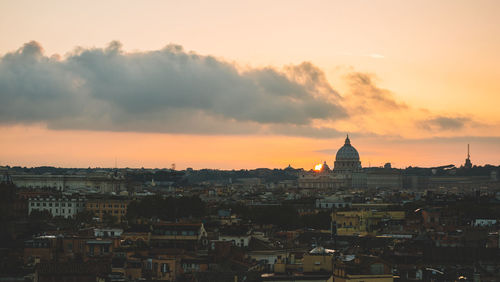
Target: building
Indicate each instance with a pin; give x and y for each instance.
(384, 178)
(40, 249)
(332, 202)
(317, 180)
(347, 159)
(98, 249)
(107, 232)
(161, 268)
(347, 172)
(111, 206)
(362, 268)
(363, 222)
(71, 271)
(318, 259)
(178, 235)
(101, 182)
(57, 205)
(239, 236)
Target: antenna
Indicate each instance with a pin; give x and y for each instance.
(468, 151)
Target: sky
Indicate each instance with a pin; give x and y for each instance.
(248, 84)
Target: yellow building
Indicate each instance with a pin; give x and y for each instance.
(362, 222)
(318, 260)
(116, 207)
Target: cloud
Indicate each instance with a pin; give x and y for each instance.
(445, 123)
(306, 131)
(376, 56)
(175, 91)
(168, 90)
(365, 96)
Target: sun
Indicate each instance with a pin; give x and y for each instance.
(318, 167)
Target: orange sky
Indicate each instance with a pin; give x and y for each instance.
(417, 79)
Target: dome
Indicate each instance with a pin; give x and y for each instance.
(347, 152)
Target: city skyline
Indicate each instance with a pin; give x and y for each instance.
(412, 83)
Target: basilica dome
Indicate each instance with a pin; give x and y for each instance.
(347, 159)
(347, 152)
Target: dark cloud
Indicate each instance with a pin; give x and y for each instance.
(445, 123)
(463, 139)
(306, 131)
(168, 90)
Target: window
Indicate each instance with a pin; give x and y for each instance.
(62, 211)
(37, 204)
(57, 204)
(63, 205)
(69, 204)
(32, 204)
(44, 204)
(50, 204)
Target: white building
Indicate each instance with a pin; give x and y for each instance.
(107, 232)
(237, 240)
(332, 202)
(57, 206)
(100, 182)
(484, 222)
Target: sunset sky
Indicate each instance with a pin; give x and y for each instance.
(247, 84)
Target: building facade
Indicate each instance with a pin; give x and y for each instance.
(114, 206)
(57, 205)
(99, 182)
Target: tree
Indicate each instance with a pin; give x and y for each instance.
(39, 215)
(109, 219)
(85, 217)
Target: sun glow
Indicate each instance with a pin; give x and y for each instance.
(318, 167)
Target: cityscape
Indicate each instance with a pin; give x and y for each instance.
(214, 141)
(348, 223)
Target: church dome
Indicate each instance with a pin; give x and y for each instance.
(347, 152)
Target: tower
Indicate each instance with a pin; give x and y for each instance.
(468, 163)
